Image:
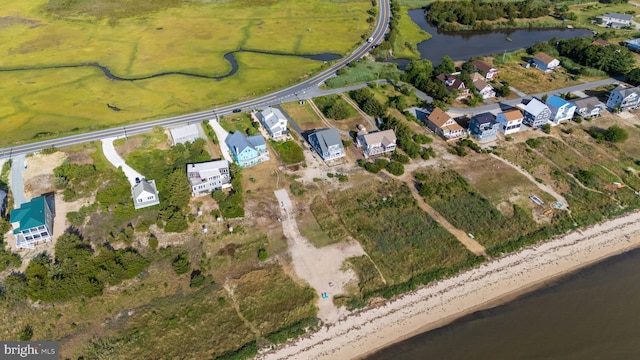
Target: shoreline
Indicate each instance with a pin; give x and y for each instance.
(492, 283)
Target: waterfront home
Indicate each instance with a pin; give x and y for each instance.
(536, 113)
(207, 177)
(484, 89)
(561, 110)
(443, 125)
(183, 134)
(588, 107)
(545, 62)
(144, 194)
(623, 98)
(454, 86)
(510, 121)
(488, 71)
(32, 223)
(327, 143)
(375, 143)
(615, 20)
(274, 122)
(483, 126)
(247, 150)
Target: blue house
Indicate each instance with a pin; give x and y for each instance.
(561, 110)
(247, 150)
(483, 126)
(545, 62)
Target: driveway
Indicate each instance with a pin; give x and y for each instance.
(115, 159)
(221, 134)
(17, 181)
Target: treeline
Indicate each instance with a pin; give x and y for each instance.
(407, 139)
(367, 102)
(612, 59)
(77, 271)
(449, 15)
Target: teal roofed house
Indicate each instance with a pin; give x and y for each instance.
(32, 223)
(247, 150)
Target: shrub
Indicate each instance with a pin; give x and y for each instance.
(262, 254)
(153, 241)
(534, 142)
(546, 128)
(395, 168)
(616, 134)
(26, 334)
(181, 264)
(196, 279)
(401, 158)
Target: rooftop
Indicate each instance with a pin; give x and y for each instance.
(511, 115)
(238, 142)
(29, 215)
(439, 117)
(184, 131)
(535, 107)
(625, 17)
(484, 118)
(588, 102)
(556, 101)
(385, 137)
(544, 57)
(482, 66)
(327, 138)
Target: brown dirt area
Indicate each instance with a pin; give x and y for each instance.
(38, 176)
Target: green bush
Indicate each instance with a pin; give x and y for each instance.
(395, 168)
(196, 279)
(153, 241)
(401, 158)
(534, 142)
(181, 264)
(262, 254)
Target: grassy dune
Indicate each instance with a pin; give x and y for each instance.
(138, 39)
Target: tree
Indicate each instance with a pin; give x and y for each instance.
(616, 134)
(395, 168)
(546, 128)
(633, 76)
(181, 264)
(178, 189)
(338, 110)
(446, 66)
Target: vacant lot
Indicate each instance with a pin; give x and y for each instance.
(161, 37)
(288, 151)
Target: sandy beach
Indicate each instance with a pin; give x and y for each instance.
(490, 284)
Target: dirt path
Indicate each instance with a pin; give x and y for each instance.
(468, 242)
(542, 187)
(323, 119)
(322, 267)
(364, 115)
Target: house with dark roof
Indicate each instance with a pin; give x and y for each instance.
(327, 143)
(375, 143)
(247, 150)
(509, 121)
(536, 113)
(273, 121)
(144, 194)
(624, 98)
(561, 110)
(545, 62)
(209, 176)
(183, 134)
(488, 71)
(454, 86)
(615, 20)
(588, 107)
(32, 223)
(443, 125)
(483, 126)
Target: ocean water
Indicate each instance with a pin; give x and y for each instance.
(591, 314)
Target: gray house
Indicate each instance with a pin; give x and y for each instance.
(327, 143)
(588, 107)
(536, 113)
(208, 176)
(183, 134)
(624, 98)
(274, 121)
(144, 194)
(615, 20)
(483, 126)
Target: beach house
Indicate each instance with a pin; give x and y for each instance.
(536, 113)
(327, 143)
(588, 107)
(207, 177)
(615, 20)
(484, 89)
(32, 223)
(144, 194)
(623, 98)
(273, 121)
(561, 110)
(545, 62)
(454, 86)
(443, 125)
(247, 150)
(182, 134)
(510, 121)
(375, 143)
(489, 72)
(483, 126)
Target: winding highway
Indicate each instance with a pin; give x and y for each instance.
(289, 94)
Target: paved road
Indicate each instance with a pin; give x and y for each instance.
(17, 181)
(289, 94)
(114, 158)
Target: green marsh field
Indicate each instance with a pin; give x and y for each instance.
(41, 43)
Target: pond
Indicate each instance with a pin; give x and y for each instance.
(461, 45)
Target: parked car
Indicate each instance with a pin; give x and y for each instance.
(236, 110)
